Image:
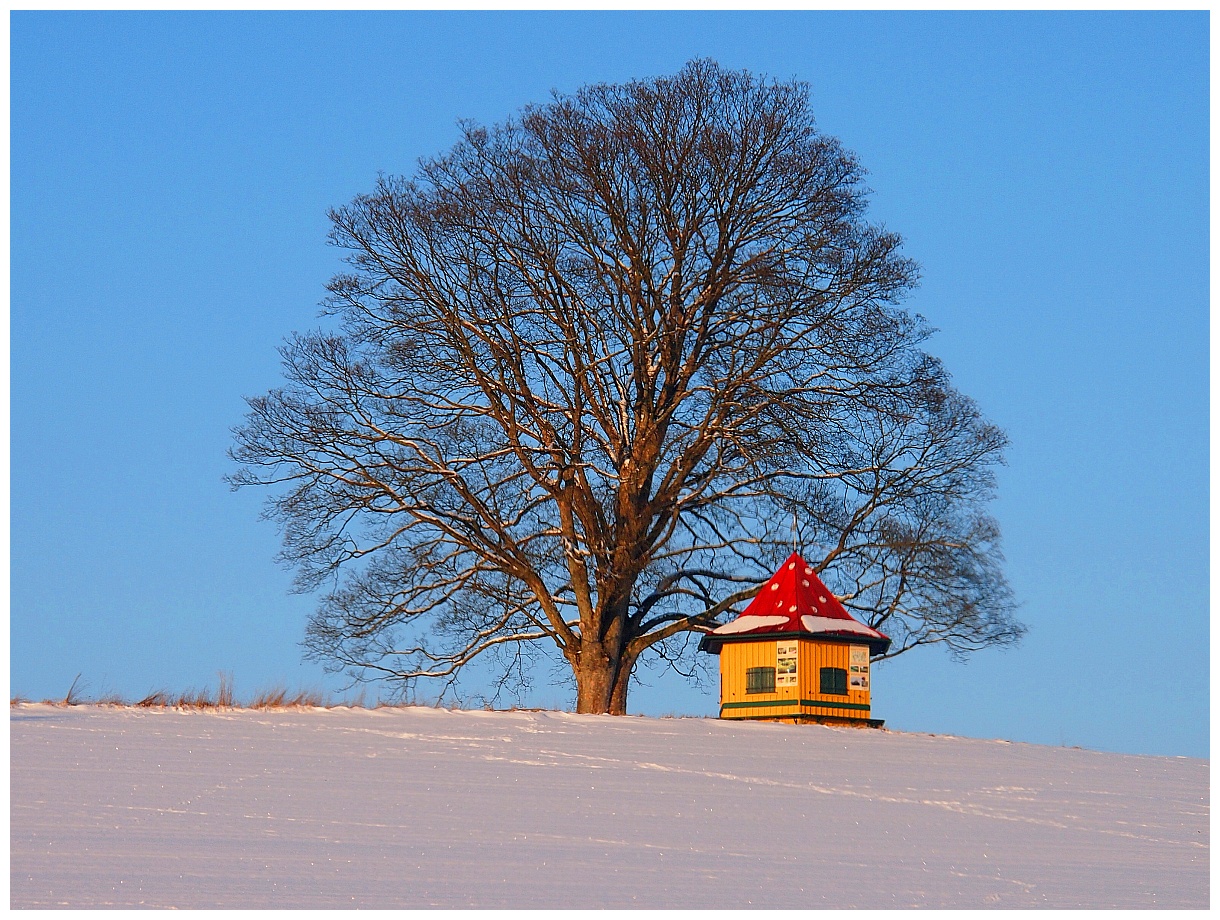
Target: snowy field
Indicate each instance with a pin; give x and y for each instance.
(416, 807)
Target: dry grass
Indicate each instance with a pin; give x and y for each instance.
(270, 699)
(277, 697)
(308, 698)
(70, 698)
(192, 699)
(224, 695)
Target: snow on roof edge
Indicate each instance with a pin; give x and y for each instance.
(835, 624)
(746, 623)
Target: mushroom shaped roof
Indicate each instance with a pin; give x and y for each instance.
(795, 601)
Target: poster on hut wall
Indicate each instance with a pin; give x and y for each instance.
(857, 675)
(785, 664)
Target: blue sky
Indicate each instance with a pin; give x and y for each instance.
(170, 176)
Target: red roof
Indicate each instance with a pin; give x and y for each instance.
(795, 600)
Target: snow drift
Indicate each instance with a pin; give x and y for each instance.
(415, 807)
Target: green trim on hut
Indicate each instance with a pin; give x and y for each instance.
(771, 704)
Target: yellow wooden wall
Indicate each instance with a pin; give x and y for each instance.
(735, 658)
(812, 656)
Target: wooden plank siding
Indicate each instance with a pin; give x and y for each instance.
(802, 701)
(735, 658)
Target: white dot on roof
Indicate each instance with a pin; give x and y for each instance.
(775, 587)
(805, 583)
(808, 571)
(792, 565)
(815, 609)
(792, 609)
(822, 599)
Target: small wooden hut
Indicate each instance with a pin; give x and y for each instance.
(795, 654)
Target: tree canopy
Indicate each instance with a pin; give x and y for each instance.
(587, 369)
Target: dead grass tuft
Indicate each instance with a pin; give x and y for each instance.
(270, 699)
(71, 699)
(280, 698)
(307, 698)
(193, 699)
(224, 695)
(157, 699)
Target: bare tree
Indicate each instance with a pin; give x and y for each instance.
(590, 366)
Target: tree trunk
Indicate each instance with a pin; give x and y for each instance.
(618, 696)
(594, 681)
(601, 682)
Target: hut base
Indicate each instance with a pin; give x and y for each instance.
(805, 719)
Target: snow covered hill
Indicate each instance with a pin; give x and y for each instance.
(416, 807)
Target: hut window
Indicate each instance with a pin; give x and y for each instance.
(760, 680)
(834, 680)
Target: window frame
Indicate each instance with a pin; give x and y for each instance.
(752, 673)
(838, 678)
